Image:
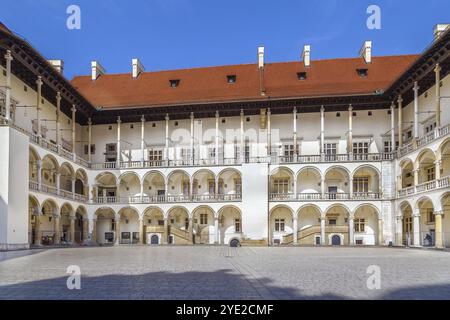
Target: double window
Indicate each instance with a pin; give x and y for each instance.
(203, 218)
(279, 225)
(361, 184)
(360, 147)
(359, 225)
(281, 185)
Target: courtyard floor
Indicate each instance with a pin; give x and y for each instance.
(207, 272)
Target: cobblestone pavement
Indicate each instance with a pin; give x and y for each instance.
(176, 272)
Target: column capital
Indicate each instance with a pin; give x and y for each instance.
(392, 105)
(167, 117)
(56, 215)
(322, 109)
(73, 109)
(399, 99)
(268, 112)
(8, 55)
(90, 121)
(416, 86)
(350, 108)
(438, 68)
(118, 120)
(295, 218)
(143, 118)
(58, 96)
(217, 114)
(242, 112)
(192, 116)
(438, 213)
(437, 162)
(39, 81)
(294, 110)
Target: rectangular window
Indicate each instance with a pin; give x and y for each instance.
(330, 148)
(203, 218)
(155, 155)
(430, 174)
(237, 225)
(86, 148)
(430, 215)
(360, 147)
(238, 186)
(281, 185)
(279, 225)
(361, 184)
(408, 224)
(160, 223)
(211, 152)
(332, 222)
(359, 225)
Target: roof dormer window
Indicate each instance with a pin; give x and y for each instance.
(362, 72)
(301, 75)
(174, 83)
(231, 78)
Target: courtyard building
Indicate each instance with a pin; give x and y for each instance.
(343, 152)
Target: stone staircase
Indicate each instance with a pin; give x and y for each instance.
(180, 236)
(307, 236)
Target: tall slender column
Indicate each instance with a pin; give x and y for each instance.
(141, 230)
(322, 131)
(58, 113)
(217, 138)
(295, 227)
(192, 138)
(399, 231)
(165, 235)
(167, 137)
(118, 142)
(85, 235)
(38, 105)
(269, 134)
(58, 182)
(400, 121)
(9, 58)
(350, 187)
(322, 231)
(74, 128)
(437, 72)
(416, 111)
(89, 139)
(73, 187)
(350, 131)
(39, 173)
(416, 228)
(380, 232)
(322, 187)
(94, 230)
(216, 230)
(393, 145)
(439, 241)
(437, 169)
(242, 135)
(294, 126)
(117, 224)
(190, 230)
(72, 229)
(416, 176)
(57, 228)
(142, 141)
(351, 230)
(37, 230)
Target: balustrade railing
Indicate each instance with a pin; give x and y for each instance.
(325, 196)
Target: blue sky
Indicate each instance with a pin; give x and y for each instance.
(173, 34)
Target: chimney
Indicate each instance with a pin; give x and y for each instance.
(260, 57)
(366, 51)
(306, 55)
(137, 67)
(57, 64)
(96, 70)
(439, 29)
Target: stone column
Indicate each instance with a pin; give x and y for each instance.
(74, 128)
(294, 130)
(165, 235)
(350, 187)
(72, 229)
(416, 176)
(322, 231)
(416, 112)
(217, 138)
(380, 232)
(38, 105)
(216, 230)
(269, 134)
(94, 230)
(351, 231)
(242, 135)
(190, 230)
(142, 141)
(167, 138)
(89, 139)
(416, 229)
(295, 234)
(57, 228)
(117, 231)
(350, 132)
(400, 122)
(393, 145)
(85, 235)
(322, 187)
(37, 230)
(437, 169)
(437, 72)
(399, 231)
(58, 113)
(9, 58)
(141, 230)
(439, 241)
(73, 187)
(192, 138)
(118, 142)
(322, 131)
(58, 183)
(39, 173)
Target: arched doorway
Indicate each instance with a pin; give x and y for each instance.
(280, 224)
(230, 224)
(154, 239)
(154, 226)
(335, 240)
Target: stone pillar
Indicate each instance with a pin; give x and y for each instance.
(73, 187)
(118, 142)
(439, 241)
(294, 130)
(166, 233)
(58, 113)
(37, 230)
(190, 230)
(380, 232)
(39, 173)
(38, 105)
(89, 139)
(295, 227)
(322, 231)
(322, 187)
(217, 138)
(216, 230)
(142, 141)
(416, 176)
(416, 111)
(58, 183)
(350, 131)
(167, 138)
(85, 234)
(400, 121)
(437, 72)
(9, 58)
(393, 145)
(242, 135)
(322, 131)
(141, 230)
(74, 128)
(399, 231)
(72, 229)
(437, 169)
(416, 229)
(269, 134)
(192, 138)
(94, 230)
(57, 228)
(117, 231)
(351, 231)
(350, 187)
(104, 195)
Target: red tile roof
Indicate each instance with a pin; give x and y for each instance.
(199, 85)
